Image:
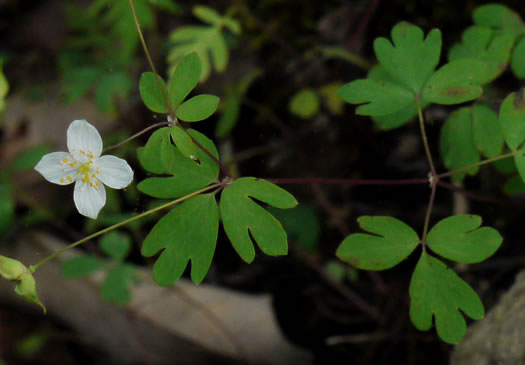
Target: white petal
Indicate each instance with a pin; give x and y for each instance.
(83, 141)
(114, 172)
(89, 200)
(58, 168)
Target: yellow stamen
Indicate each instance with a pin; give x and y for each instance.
(62, 180)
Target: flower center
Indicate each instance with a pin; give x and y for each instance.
(89, 175)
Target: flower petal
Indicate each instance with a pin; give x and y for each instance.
(88, 199)
(58, 168)
(83, 141)
(114, 172)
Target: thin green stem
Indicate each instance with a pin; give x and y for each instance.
(481, 163)
(150, 60)
(33, 268)
(424, 137)
(138, 134)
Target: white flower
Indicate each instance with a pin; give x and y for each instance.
(84, 166)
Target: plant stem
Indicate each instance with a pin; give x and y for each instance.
(150, 61)
(481, 163)
(138, 134)
(339, 181)
(33, 268)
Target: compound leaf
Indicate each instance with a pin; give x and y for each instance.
(457, 143)
(187, 175)
(436, 290)
(381, 98)
(488, 137)
(197, 108)
(411, 59)
(390, 243)
(116, 285)
(460, 238)
(81, 266)
(150, 88)
(455, 82)
(187, 232)
(516, 62)
(245, 221)
(116, 245)
(512, 119)
(499, 17)
(184, 79)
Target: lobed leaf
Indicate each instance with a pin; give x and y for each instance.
(456, 143)
(184, 143)
(460, 239)
(410, 59)
(436, 290)
(512, 119)
(245, 221)
(197, 108)
(390, 243)
(187, 175)
(188, 232)
(151, 94)
(455, 82)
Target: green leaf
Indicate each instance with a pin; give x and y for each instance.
(188, 175)
(381, 98)
(78, 81)
(460, 239)
(185, 78)
(244, 220)
(81, 266)
(207, 15)
(158, 155)
(519, 159)
(390, 243)
(488, 137)
(231, 107)
(499, 17)
(512, 119)
(436, 290)
(304, 104)
(28, 159)
(184, 142)
(198, 108)
(482, 44)
(301, 224)
(7, 208)
(457, 143)
(410, 59)
(187, 232)
(168, 5)
(516, 62)
(152, 94)
(514, 186)
(116, 245)
(116, 285)
(111, 86)
(454, 83)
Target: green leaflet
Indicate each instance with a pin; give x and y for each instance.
(301, 225)
(116, 285)
(187, 232)
(483, 44)
(151, 94)
(304, 104)
(116, 245)
(81, 266)
(512, 119)
(460, 238)
(516, 62)
(197, 108)
(243, 219)
(391, 242)
(499, 17)
(457, 143)
(455, 82)
(184, 142)
(411, 59)
(486, 127)
(187, 175)
(184, 79)
(436, 290)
